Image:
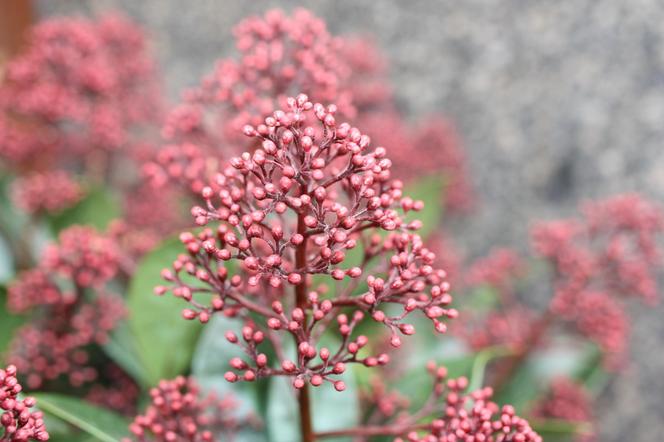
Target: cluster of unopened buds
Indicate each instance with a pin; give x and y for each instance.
(610, 254)
(81, 85)
(68, 286)
(46, 192)
(567, 400)
(281, 55)
(177, 413)
(291, 214)
(17, 422)
(451, 414)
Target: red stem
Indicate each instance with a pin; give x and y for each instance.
(306, 426)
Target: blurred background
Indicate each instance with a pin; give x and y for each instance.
(556, 102)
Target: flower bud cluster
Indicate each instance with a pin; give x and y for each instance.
(17, 422)
(114, 389)
(498, 270)
(508, 326)
(314, 203)
(81, 85)
(565, 400)
(280, 55)
(601, 259)
(177, 414)
(569, 401)
(461, 416)
(46, 192)
(75, 308)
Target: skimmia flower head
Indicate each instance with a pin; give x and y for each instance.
(280, 55)
(17, 422)
(81, 85)
(177, 413)
(599, 261)
(69, 288)
(314, 204)
(453, 415)
(46, 192)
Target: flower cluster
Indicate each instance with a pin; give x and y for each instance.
(569, 401)
(315, 201)
(68, 289)
(472, 417)
(281, 55)
(82, 85)
(599, 260)
(498, 270)
(46, 192)
(451, 414)
(17, 422)
(508, 326)
(114, 389)
(177, 414)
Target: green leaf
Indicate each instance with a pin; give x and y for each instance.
(481, 300)
(480, 362)
(210, 362)
(555, 430)
(8, 322)
(6, 261)
(332, 410)
(429, 190)
(535, 375)
(97, 209)
(122, 349)
(165, 342)
(102, 424)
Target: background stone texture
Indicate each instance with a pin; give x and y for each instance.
(557, 101)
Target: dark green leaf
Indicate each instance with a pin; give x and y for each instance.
(165, 342)
(102, 424)
(8, 322)
(122, 349)
(96, 209)
(535, 375)
(559, 430)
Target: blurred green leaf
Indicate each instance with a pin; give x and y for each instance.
(209, 364)
(429, 189)
(416, 385)
(333, 410)
(534, 376)
(121, 348)
(6, 261)
(555, 430)
(8, 322)
(97, 209)
(480, 362)
(164, 341)
(102, 424)
(480, 300)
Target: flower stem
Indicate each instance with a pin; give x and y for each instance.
(306, 426)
